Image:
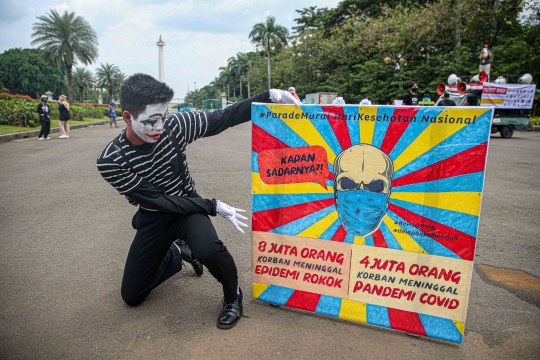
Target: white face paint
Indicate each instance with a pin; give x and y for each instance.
(149, 124)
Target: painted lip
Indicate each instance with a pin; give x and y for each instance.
(155, 137)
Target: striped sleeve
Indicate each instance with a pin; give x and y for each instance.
(114, 170)
(189, 126)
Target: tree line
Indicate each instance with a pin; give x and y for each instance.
(377, 47)
(62, 41)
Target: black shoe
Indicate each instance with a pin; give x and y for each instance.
(185, 254)
(230, 314)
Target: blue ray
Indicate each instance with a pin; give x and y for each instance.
(349, 239)
(469, 182)
(328, 233)
(440, 328)
(273, 201)
(431, 246)
(381, 127)
(328, 305)
(254, 161)
(352, 125)
(377, 315)
(276, 295)
(411, 133)
(460, 221)
(466, 138)
(369, 241)
(323, 127)
(295, 227)
(281, 131)
(389, 238)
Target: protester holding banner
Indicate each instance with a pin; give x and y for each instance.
(147, 163)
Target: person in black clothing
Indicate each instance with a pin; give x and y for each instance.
(447, 101)
(411, 98)
(147, 163)
(44, 112)
(64, 116)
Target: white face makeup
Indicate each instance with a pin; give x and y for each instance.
(149, 124)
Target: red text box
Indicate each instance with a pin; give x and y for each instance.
(294, 165)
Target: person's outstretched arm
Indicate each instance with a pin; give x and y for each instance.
(192, 126)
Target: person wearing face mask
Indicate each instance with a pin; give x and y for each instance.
(147, 163)
(411, 98)
(44, 112)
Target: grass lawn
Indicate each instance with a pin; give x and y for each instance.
(8, 129)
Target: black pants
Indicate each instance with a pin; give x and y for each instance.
(153, 258)
(45, 128)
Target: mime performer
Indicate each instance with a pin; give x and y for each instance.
(147, 163)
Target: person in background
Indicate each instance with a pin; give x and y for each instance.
(485, 57)
(447, 101)
(338, 100)
(292, 90)
(365, 101)
(44, 112)
(411, 98)
(65, 115)
(112, 115)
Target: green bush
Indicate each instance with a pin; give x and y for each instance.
(535, 120)
(19, 111)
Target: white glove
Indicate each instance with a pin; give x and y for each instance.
(283, 97)
(230, 213)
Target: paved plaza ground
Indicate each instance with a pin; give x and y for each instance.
(65, 233)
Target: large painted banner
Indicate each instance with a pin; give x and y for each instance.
(369, 213)
(508, 96)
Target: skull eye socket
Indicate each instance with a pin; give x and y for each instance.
(347, 183)
(375, 186)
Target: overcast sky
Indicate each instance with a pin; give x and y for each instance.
(199, 35)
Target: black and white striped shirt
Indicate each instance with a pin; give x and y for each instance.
(152, 178)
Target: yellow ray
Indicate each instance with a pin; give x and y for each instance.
(367, 127)
(406, 242)
(303, 128)
(257, 289)
(460, 326)
(433, 135)
(317, 229)
(463, 202)
(353, 310)
(359, 240)
(258, 187)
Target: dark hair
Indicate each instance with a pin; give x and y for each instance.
(411, 84)
(446, 95)
(339, 94)
(140, 90)
(365, 96)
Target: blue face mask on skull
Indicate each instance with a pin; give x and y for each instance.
(361, 211)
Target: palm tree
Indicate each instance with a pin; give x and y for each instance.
(269, 35)
(107, 77)
(225, 78)
(82, 79)
(119, 81)
(233, 68)
(65, 39)
(239, 66)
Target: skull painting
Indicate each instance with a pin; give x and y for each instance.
(363, 182)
